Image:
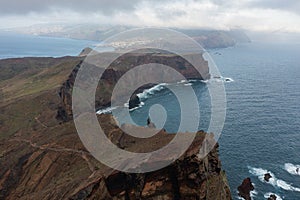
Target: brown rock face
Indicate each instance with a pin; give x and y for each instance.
(43, 158)
(245, 188)
(188, 178)
(122, 65)
(64, 112)
(58, 167)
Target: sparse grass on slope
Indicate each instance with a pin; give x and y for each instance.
(26, 90)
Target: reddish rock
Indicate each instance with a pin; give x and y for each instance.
(123, 64)
(245, 188)
(43, 158)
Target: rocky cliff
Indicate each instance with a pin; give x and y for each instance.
(188, 178)
(122, 65)
(42, 157)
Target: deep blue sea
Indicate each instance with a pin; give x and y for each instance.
(14, 45)
(262, 128)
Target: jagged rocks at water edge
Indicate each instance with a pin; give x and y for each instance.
(267, 177)
(120, 66)
(134, 101)
(272, 197)
(42, 157)
(245, 188)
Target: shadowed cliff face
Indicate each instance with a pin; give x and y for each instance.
(188, 178)
(125, 63)
(42, 157)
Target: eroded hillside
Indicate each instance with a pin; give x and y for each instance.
(42, 157)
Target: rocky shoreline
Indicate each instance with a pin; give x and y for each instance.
(119, 67)
(42, 157)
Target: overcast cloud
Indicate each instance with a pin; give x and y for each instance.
(258, 15)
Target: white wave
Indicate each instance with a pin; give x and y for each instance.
(183, 81)
(292, 169)
(106, 110)
(148, 92)
(227, 79)
(260, 173)
(253, 193)
(139, 106)
(126, 105)
(204, 81)
(267, 195)
(221, 79)
(187, 82)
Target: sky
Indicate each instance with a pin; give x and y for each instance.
(254, 15)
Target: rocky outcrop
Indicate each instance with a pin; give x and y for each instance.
(272, 197)
(267, 177)
(64, 111)
(54, 165)
(245, 188)
(122, 65)
(134, 101)
(43, 158)
(189, 177)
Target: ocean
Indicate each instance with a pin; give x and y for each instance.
(14, 45)
(261, 131)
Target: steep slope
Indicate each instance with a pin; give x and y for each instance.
(42, 157)
(122, 65)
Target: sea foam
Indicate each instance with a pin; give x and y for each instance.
(267, 195)
(260, 173)
(106, 110)
(292, 169)
(148, 92)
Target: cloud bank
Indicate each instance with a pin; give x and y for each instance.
(256, 15)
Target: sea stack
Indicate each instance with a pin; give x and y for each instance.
(245, 188)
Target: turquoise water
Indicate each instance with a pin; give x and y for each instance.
(14, 45)
(261, 131)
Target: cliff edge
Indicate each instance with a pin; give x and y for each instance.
(42, 157)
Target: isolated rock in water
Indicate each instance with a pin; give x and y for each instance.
(267, 177)
(124, 63)
(245, 188)
(272, 197)
(46, 159)
(134, 101)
